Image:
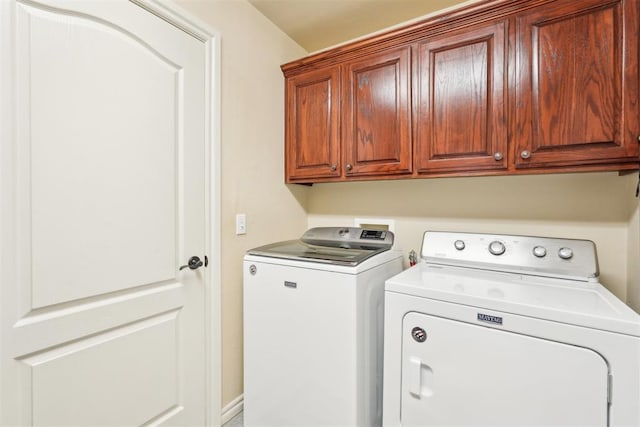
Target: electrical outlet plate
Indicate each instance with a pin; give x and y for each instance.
(241, 224)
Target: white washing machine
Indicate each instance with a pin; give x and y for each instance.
(496, 330)
(313, 328)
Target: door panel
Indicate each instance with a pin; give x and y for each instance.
(377, 105)
(312, 140)
(123, 162)
(577, 84)
(466, 374)
(461, 121)
(107, 190)
(124, 357)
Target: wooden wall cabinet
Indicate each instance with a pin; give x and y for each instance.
(312, 144)
(461, 106)
(577, 84)
(496, 87)
(359, 111)
(377, 114)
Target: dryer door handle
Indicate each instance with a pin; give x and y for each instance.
(420, 378)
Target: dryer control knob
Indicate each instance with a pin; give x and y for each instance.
(496, 247)
(540, 251)
(459, 244)
(565, 253)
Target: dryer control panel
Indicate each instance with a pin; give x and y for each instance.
(542, 256)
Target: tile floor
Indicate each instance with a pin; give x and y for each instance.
(237, 421)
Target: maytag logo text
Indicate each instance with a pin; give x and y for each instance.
(488, 318)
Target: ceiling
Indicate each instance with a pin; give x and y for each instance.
(318, 24)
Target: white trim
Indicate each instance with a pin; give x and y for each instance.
(8, 395)
(182, 19)
(233, 408)
(214, 380)
(214, 244)
(179, 17)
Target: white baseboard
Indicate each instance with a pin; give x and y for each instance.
(233, 408)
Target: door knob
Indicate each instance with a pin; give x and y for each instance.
(194, 263)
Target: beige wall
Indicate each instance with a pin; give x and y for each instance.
(584, 206)
(252, 143)
(633, 254)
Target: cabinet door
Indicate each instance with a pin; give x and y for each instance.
(461, 90)
(577, 84)
(312, 147)
(377, 112)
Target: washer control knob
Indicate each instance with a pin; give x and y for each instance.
(565, 253)
(540, 251)
(496, 247)
(459, 244)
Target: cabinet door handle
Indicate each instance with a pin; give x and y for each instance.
(333, 167)
(349, 167)
(525, 154)
(498, 156)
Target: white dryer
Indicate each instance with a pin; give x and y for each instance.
(313, 327)
(508, 331)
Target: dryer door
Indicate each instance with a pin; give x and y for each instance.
(463, 374)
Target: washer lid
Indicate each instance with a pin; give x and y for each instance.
(298, 250)
(587, 304)
(330, 245)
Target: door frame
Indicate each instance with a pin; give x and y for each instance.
(178, 17)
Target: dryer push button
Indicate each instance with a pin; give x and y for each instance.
(565, 253)
(540, 251)
(496, 247)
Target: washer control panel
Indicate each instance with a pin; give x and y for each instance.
(545, 256)
(348, 237)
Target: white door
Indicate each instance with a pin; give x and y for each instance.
(460, 374)
(103, 199)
